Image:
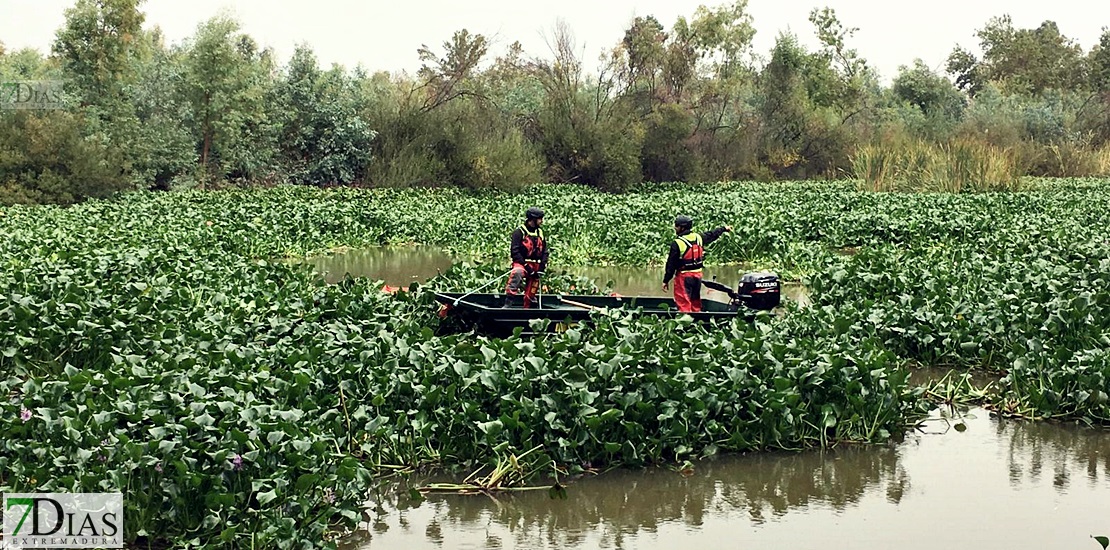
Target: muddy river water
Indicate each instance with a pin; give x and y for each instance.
(996, 485)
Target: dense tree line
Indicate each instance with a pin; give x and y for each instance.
(689, 102)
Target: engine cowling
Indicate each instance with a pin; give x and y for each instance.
(760, 290)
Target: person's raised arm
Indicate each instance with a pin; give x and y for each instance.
(714, 234)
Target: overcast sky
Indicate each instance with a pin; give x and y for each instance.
(384, 35)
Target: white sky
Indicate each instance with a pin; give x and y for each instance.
(385, 34)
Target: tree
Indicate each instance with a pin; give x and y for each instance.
(722, 37)
(455, 125)
(720, 40)
(444, 76)
(1020, 60)
(26, 64)
(512, 86)
(586, 135)
(162, 146)
(930, 92)
(665, 155)
(1098, 62)
(707, 67)
(643, 45)
(323, 138)
(47, 160)
(837, 76)
(802, 133)
(968, 72)
(786, 104)
(226, 82)
(833, 36)
(96, 46)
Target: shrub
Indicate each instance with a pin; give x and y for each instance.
(45, 159)
(580, 148)
(461, 143)
(665, 155)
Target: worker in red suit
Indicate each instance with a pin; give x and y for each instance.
(529, 253)
(684, 263)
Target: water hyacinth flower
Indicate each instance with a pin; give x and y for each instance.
(237, 462)
(158, 467)
(24, 414)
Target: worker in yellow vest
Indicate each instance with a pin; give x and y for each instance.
(684, 263)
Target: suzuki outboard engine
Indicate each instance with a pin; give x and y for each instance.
(761, 290)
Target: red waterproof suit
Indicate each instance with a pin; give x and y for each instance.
(529, 253)
(684, 264)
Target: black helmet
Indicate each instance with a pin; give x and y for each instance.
(684, 221)
(533, 213)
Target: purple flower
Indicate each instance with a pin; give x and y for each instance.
(24, 413)
(158, 467)
(237, 462)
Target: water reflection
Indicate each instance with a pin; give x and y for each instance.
(395, 265)
(929, 490)
(1038, 452)
(625, 503)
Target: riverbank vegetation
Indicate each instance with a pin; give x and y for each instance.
(691, 100)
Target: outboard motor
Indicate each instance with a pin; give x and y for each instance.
(761, 290)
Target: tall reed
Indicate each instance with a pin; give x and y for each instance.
(952, 167)
(1104, 160)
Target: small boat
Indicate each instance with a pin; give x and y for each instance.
(487, 312)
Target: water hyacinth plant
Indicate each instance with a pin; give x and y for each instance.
(163, 345)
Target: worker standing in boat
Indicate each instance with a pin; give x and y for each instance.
(529, 253)
(684, 263)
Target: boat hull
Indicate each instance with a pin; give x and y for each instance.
(487, 312)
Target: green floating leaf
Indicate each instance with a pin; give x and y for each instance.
(492, 427)
(267, 496)
(557, 491)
